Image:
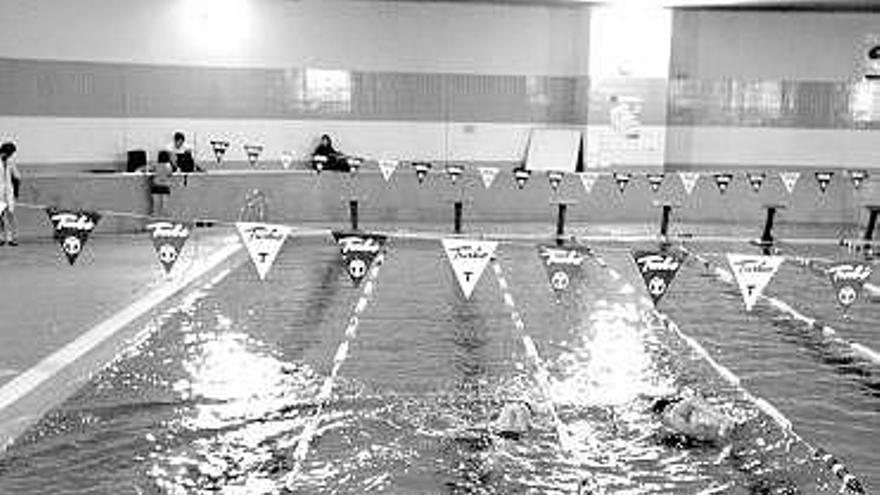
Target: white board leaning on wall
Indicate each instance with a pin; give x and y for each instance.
(553, 149)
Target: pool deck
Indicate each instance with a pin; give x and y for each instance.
(53, 334)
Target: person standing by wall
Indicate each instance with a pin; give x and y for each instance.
(160, 183)
(9, 180)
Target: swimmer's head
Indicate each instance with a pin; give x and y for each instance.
(662, 404)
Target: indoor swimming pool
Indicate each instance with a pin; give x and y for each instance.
(217, 396)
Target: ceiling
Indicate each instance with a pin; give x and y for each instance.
(779, 5)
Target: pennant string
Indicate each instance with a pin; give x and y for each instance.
(826, 330)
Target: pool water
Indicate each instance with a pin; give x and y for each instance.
(216, 398)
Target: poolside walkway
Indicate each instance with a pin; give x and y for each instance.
(53, 315)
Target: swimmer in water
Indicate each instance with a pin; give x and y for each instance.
(513, 421)
(694, 419)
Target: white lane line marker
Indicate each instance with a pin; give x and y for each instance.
(540, 375)
(310, 429)
(26, 382)
(614, 274)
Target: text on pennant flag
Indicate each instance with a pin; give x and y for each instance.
(286, 159)
(756, 180)
(253, 152)
(358, 251)
(689, 181)
(723, 180)
(752, 274)
(848, 279)
(488, 175)
(658, 270)
(564, 265)
(622, 179)
(454, 172)
(263, 241)
(588, 180)
(219, 148)
(421, 169)
(555, 178)
(521, 176)
(655, 181)
(72, 229)
(789, 179)
(823, 179)
(168, 241)
(387, 168)
(858, 177)
(468, 259)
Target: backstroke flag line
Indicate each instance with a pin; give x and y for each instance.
(689, 181)
(488, 175)
(263, 241)
(168, 241)
(790, 180)
(588, 180)
(468, 259)
(752, 273)
(387, 167)
(358, 251)
(848, 279)
(564, 265)
(658, 269)
(72, 229)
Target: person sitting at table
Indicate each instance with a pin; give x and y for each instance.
(182, 154)
(326, 157)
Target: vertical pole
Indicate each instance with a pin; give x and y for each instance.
(560, 222)
(767, 235)
(353, 213)
(664, 221)
(458, 208)
(872, 223)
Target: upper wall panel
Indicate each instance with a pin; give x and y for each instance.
(766, 45)
(350, 34)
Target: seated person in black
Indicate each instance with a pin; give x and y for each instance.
(182, 155)
(328, 158)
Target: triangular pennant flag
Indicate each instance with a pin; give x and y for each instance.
(263, 241)
(555, 178)
(723, 180)
(521, 176)
(468, 259)
(789, 179)
(655, 181)
(253, 153)
(753, 273)
(421, 169)
(848, 279)
(689, 181)
(564, 265)
(488, 175)
(219, 148)
(588, 180)
(72, 229)
(358, 251)
(454, 172)
(168, 241)
(858, 177)
(658, 269)
(354, 164)
(756, 180)
(622, 179)
(823, 179)
(286, 159)
(387, 167)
